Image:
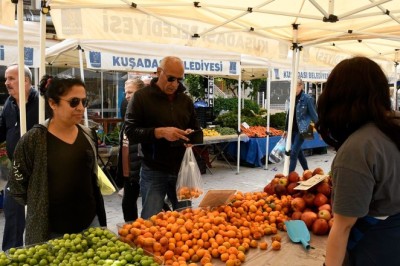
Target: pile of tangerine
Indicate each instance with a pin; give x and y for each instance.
(198, 235)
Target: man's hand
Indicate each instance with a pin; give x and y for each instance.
(172, 133)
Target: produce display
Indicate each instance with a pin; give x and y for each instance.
(95, 246)
(225, 233)
(313, 206)
(251, 220)
(218, 131)
(226, 131)
(208, 132)
(260, 131)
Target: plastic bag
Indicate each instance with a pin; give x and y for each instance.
(106, 187)
(189, 184)
(278, 152)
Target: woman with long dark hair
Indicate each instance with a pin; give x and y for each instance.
(355, 117)
(55, 166)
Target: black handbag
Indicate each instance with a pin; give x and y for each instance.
(309, 134)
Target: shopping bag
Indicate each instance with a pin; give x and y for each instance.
(278, 152)
(106, 187)
(189, 183)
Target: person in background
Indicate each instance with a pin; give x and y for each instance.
(147, 80)
(14, 212)
(355, 117)
(157, 117)
(55, 166)
(304, 113)
(129, 161)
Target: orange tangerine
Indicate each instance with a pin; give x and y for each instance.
(224, 257)
(169, 254)
(215, 253)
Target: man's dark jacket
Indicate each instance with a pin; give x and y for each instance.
(9, 120)
(150, 109)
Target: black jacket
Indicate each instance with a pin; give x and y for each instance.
(9, 120)
(29, 182)
(150, 109)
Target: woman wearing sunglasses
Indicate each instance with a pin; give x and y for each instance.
(55, 167)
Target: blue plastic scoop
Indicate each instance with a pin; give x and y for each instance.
(298, 232)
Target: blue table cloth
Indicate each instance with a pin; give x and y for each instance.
(253, 150)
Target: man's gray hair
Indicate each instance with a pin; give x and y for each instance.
(136, 81)
(27, 72)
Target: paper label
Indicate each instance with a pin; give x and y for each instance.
(215, 198)
(309, 183)
(245, 125)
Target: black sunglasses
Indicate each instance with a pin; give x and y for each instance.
(74, 102)
(172, 78)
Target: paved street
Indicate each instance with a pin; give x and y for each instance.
(248, 179)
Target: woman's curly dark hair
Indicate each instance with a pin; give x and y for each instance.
(54, 87)
(356, 93)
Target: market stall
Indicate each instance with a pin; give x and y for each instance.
(219, 145)
(253, 151)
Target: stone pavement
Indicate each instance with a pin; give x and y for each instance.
(248, 179)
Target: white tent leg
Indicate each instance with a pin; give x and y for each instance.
(295, 67)
(268, 104)
(396, 78)
(21, 63)
(86, 122)
(239, 122)
(102, 92)
(42, 67)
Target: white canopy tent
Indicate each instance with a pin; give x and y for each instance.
(143, 57)
(267, 28)
(9, 44)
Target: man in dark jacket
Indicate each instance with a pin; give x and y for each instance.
(160, 117)
(10, 132)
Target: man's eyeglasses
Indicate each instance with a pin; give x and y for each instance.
(171, 78)
(74, 102)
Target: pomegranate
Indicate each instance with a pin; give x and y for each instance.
(290, 188)
(320, 227)
(296, 215)
(318, 171)
(269, 189)
(327, 207)
(298, 204)
(307, 174)
(294, 177)
(320, 199)
(324, 188)
(309, 218)
(309, 199)
(280, 189)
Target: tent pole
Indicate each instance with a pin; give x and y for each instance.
(21, 63)
(396, 67)
(86, 122)
(42, 67)
(295, 66)
(102, 93)
(269, 75)
(239, 122)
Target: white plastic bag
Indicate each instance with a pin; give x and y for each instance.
(278, 152)
(189, 184)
